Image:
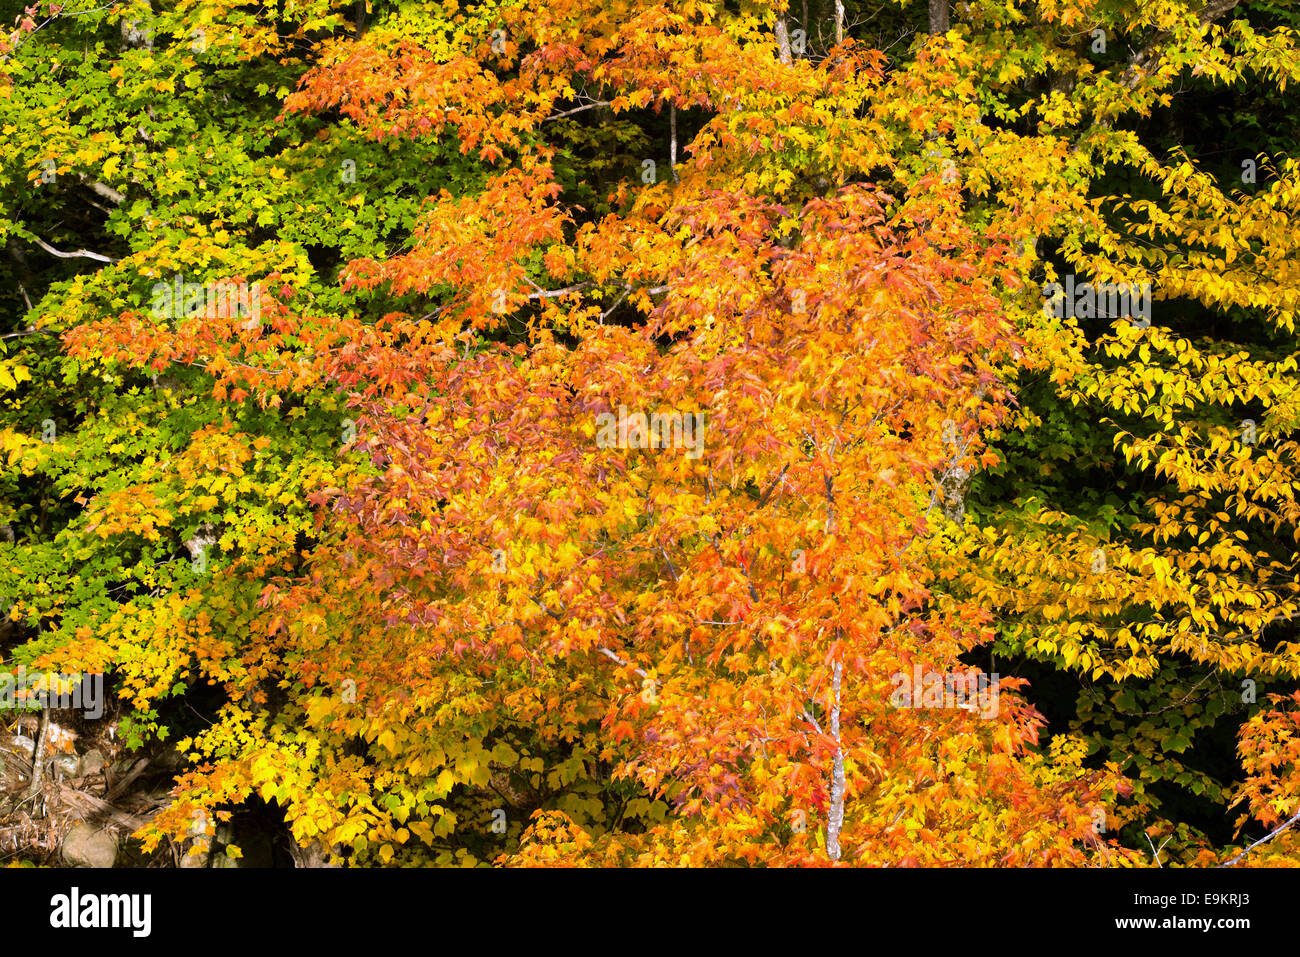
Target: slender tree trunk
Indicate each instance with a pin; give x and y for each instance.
(672, 139)
(939, 14)
(783, 40)
(38, 757)
(839, 22)
(835, 816)
(313, 855)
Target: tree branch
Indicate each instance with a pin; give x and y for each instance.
(613, 657)
(577, 109)
(1149, 55)
(1264, 840)
(108, 192)
(28, 332)
(77, 254)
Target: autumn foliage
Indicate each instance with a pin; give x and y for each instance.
(643, 406)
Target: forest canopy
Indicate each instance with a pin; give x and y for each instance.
(622, 433)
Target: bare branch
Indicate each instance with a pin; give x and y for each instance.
(1264, 840)
(28, 332)
(553, 293)
(577, 109)
(77, 254)
(613, 657)
(108, 192)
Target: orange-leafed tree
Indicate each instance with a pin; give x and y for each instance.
(651, 484)
(658, 424)
(694, 535)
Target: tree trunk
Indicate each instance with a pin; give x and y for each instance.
(939, 13)
(38, 757)
(672, 140)
(314, 854)
(783, 40)
(835, 816)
